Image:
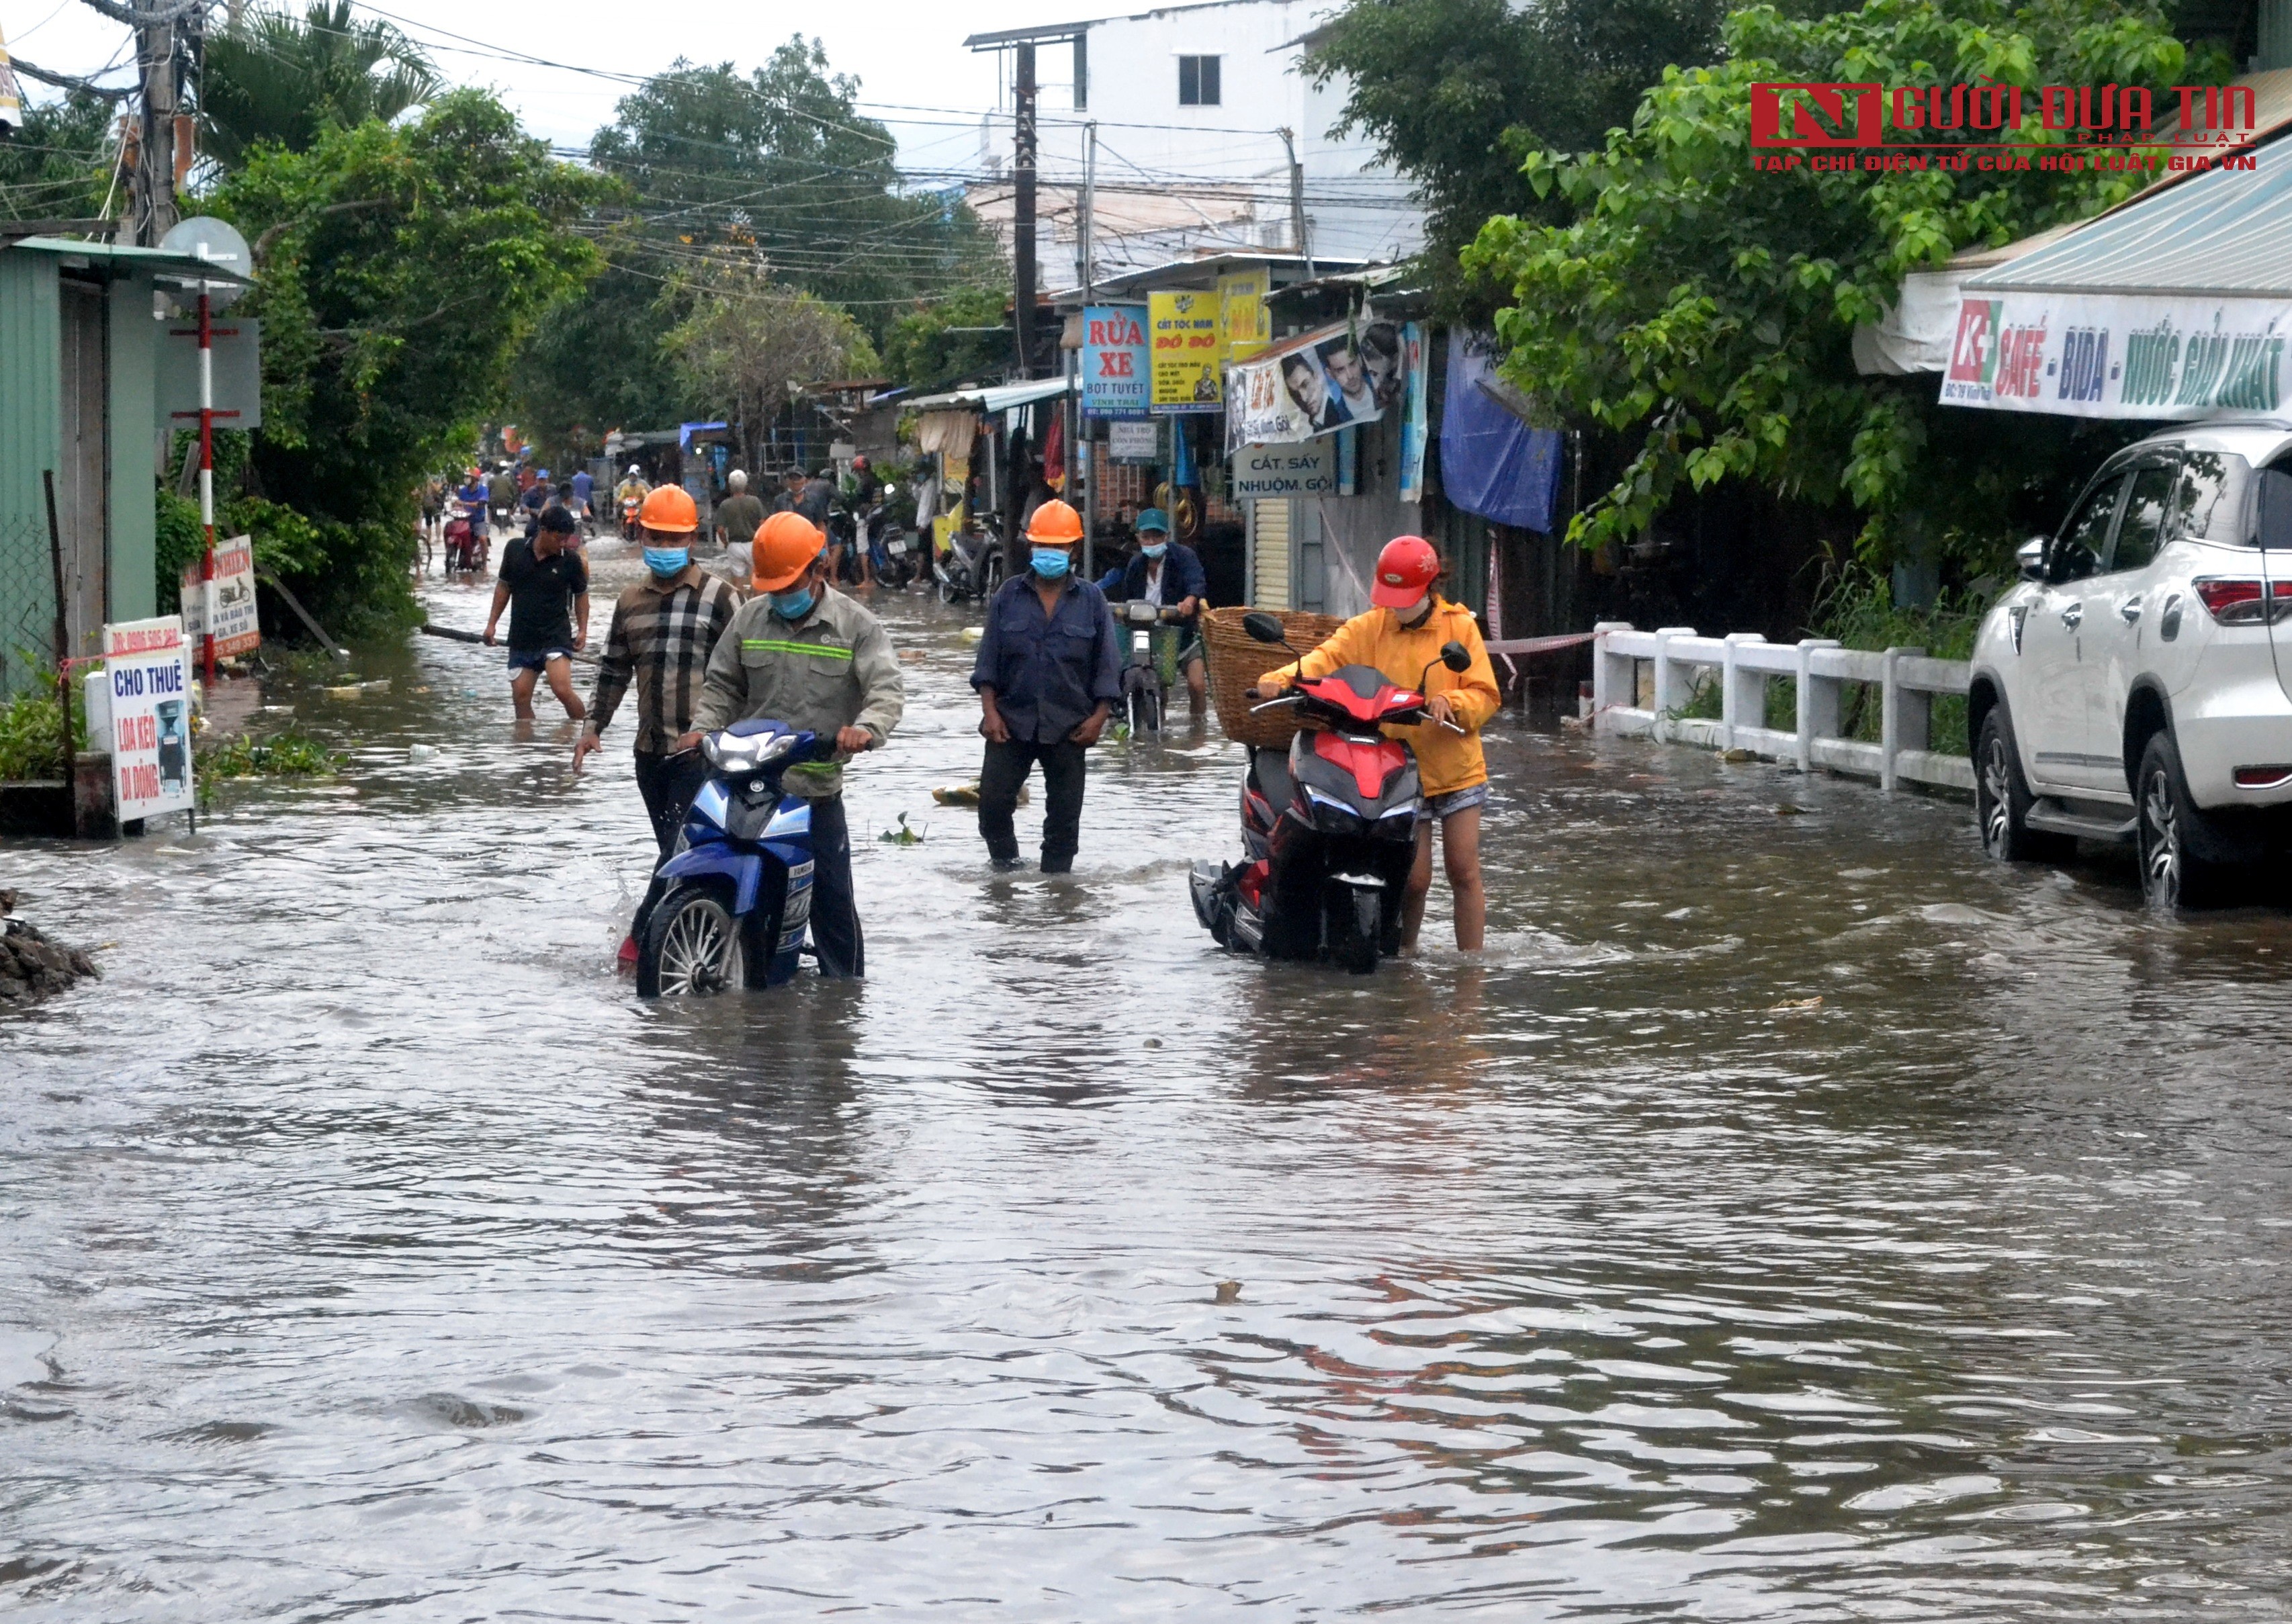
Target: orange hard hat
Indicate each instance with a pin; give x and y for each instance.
(1055, 521)
(669, 508)
(786, 545)
(1405, 570)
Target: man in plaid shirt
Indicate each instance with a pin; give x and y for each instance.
(663, 630)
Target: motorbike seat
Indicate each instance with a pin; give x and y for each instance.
(1268, 770)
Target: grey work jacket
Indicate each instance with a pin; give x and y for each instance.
(833, 668)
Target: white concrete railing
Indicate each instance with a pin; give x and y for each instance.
(1744, 662)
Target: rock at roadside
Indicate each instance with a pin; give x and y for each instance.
(33, 967)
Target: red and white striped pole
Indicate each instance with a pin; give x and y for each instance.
(206, 480)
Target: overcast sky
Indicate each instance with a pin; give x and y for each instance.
(909, 56)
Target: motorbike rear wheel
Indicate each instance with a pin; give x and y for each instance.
(691, 946)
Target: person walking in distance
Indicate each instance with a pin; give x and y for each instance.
(663, 630)
(737, 519)
(802, 653)
(1048, 677)
(545, 586)
(1400, 637)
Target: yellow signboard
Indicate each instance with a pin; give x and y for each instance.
(1245, 326)
(1185, 331)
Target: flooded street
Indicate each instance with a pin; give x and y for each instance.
(1793, 1217)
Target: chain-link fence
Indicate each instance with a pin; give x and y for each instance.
(28, 598)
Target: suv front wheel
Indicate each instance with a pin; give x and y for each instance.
(2171, 831)
(2002, 799)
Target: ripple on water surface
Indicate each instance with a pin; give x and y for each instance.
(1789, 1216)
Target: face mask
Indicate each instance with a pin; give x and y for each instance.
(667, 560)
(1416, 615)
(793, 606)
(1154, 550)
(1051, 562)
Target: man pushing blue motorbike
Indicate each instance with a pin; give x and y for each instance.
(802, 679)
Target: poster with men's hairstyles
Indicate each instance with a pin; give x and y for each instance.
(1316, 383)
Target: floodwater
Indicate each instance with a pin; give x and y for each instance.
(1793, 1218)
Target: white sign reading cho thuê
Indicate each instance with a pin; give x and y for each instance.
(149, 680)
(1308, 468)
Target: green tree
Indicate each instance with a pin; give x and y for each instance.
(400, 270)
(1701, 309)
(776, 167)
(58, 166)
(273, 76)
(1457, 92)
(964, 334)
(747, 338)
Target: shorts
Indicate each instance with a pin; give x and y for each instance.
(536, 659)
(1192, 654)
(1457, 801)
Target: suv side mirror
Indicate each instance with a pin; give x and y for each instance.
(1456, 656)
(2030, 559)
(1262, 627)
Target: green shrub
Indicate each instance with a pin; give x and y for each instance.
(31, 745)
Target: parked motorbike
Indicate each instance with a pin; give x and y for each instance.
(971, 567)
(738, 890)
(1328, 831)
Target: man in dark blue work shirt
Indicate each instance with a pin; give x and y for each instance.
(1047, 680)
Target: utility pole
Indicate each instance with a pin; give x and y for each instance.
(1297, 203)
(1086, 276)
(1086, 273)
(151, 197)
(1022, 227)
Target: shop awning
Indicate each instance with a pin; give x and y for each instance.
(996, 397)
(2178, 305)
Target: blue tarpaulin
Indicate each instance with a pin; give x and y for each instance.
(1492, 463)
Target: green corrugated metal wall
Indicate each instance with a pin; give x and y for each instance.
(30, 415)
(134, 445)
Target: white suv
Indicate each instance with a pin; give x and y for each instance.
(2138, 682)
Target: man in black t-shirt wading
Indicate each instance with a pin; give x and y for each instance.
(546, 587)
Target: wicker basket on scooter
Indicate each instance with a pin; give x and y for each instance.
(1238, 660)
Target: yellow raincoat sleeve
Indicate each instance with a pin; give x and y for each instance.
(1476, 696)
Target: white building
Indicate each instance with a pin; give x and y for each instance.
(1188, 105)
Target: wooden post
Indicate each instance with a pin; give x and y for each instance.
(63, 646)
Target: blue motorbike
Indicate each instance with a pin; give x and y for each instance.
(738, 892)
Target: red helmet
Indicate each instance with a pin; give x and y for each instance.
(1406, 571)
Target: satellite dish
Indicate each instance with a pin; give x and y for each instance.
(215, 241)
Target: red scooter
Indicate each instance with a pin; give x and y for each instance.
(468, 541)
(1329, 832)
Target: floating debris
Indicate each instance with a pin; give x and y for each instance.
(903, 835)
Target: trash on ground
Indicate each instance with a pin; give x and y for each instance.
(966, 794)
(903, 835)
(422, 753)
(1229, 1290)
(1790, 1004)
(1788, 810)
(1738, 754)
(972, 634)
(913, 657)
(350, 691)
